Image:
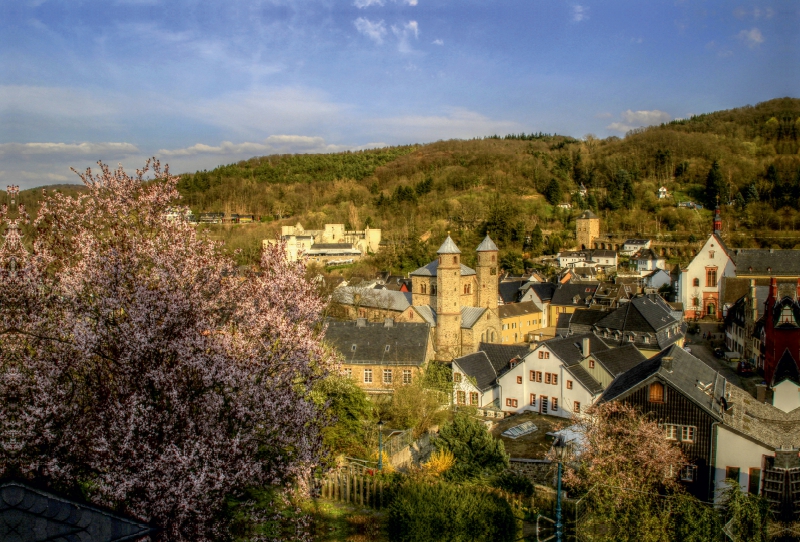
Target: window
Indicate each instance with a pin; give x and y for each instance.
(456, 377)
(468, 288)
(387, 376)
(461, 397)
(656, 392)
(353, 348)
(348, 372)
(711, 254)
(519, 380)
(591, 361)
(386, 348)
(533, 376)
(576, 406)
(688, 473)
(555, 378)
(754, 481)
(547, 378)
(711, 277)
(543, 404)
(368, 376)
(538, 376)
(569, 384)
(511, 403)
(687, 433)
(696, 283)
(406, 376)
(732, 473)
(533, 399)
(455, 259)
(671, 432)
(554, 403)
(424, 288)
(473, 397)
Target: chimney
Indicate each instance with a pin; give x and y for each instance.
(666, 363)
(388, 322)
(586, 347)
(361, 322)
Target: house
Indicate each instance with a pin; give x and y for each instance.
(632, 246)
(611, 295)
(657, 278)
(647, 260)
(698, 287)
(584, 273)
(646, 321)
(582, 190)
(663, 193)
(780, 333)
(331, 246)
(475, 375)
(381, 355)
(568, 298)
(579, 258)
(564, 206)
(767, 263)
(509, 289)
(551, 380)
(541, 294)
(518, 321)
(683, 394)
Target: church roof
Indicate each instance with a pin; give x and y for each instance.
(587, 214)
(430, 270)
(448, 247)
(487, 245)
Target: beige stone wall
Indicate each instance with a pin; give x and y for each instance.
(417, 297)
(482, 330)
(487, 280)
(448, 308)
(379, 384)
(586, 231)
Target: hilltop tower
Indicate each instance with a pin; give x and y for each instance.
(448, 307)
(487, 274)
(587, 229)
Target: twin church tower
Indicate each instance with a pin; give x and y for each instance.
(462, 302)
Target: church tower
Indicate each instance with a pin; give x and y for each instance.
(487, 274)
(448, 307)
(717, 222)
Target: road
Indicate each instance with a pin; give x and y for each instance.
(703, 349)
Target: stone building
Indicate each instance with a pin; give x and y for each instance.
(331, 245)
(587, 229)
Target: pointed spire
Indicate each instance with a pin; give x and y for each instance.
(487, 245)
(448, 247)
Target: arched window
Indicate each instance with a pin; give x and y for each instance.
(696, 282)
(492, 336)
(656, 392)
(424, 288)
(455, 259)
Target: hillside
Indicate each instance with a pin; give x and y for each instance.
(509, 186)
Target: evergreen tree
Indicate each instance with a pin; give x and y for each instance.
(476, 451)
(553, 192)
(537, 241)
(716, 188)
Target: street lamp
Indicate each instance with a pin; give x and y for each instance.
(560, 448)
(380, 445)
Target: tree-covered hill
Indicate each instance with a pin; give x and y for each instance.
(510, 186)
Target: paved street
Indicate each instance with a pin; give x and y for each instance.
(703, 349)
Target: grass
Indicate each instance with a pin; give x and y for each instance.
(335, 521)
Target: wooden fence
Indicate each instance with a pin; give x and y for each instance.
(359, 489)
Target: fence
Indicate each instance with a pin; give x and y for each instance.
(360, 489)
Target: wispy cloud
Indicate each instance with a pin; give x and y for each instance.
(361, 4)
(635, 119)
(404, 33)
(116, 149)
(755, 13)
(753, 37)
(438, 42)
(579, 13)
(373, 30)
(271, 145)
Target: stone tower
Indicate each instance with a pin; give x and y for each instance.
(587, 229)
(487, 274)
(448, 307)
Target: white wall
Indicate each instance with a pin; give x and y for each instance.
(484, 398)
(733, 450)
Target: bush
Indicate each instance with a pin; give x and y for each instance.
(431, 512)
(514, 483)
(477, 452)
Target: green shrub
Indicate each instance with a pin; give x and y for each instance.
(421, 511)
(514, 483)
(477, 452)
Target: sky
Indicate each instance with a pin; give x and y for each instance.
(203, 83)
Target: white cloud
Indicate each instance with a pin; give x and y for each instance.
(755, 13)
(438, 42)
(409, 2)
(752, 37)
(115, 149)
(373, 30)
(404, 33)
(361, 4)
(579, 13)
(635, 119)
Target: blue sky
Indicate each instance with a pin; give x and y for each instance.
(199, 84)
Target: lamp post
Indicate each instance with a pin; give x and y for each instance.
(560, 448)
(380, 446)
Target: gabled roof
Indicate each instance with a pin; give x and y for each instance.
(509, 290)
(641, 314)
(543, 290)
(570, 349)
(430, 270)
(769, 262)
(448, 247)
(619, 360)
(470, 315)
(684, 372)
(366, 343)
(647, 254)
(587, 381)
(587, 317)
(565, 294)
(487, 245)
(518, 309)
(478, 366)
(428, 313)
(377, 299)
(501, 354)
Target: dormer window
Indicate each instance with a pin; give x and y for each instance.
(386, 349)
(787, 315)
(353, 348)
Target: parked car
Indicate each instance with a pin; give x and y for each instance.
(719, 352)
(745, 368)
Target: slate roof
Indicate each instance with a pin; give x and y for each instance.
(762, 421)
(774, 263)
(378, 299)
(603, 253)
(501, 354)
(570, 349)
(620, 360)
(509, 290)
(487, 245)
(430, 270)
(518, 309)
(563, 324)
(428, 313)
(564, 294)
(647, 254)
(543, 290)
(582, 375)
(641, 314)
(470, 315)
(28, 515)
(687, 374)
(587, 214)
(478, 366)
(407, 342)
(448, 247)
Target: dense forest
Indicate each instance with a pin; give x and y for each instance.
(746, 159)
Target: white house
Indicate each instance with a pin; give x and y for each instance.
(550, 378)
(564, 206)
(658, 278)
(602, 258)
(475, 375)
(663, 193)
(631, 246)
(647, 260)
(699, 282)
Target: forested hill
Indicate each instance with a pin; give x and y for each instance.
(510, 185)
